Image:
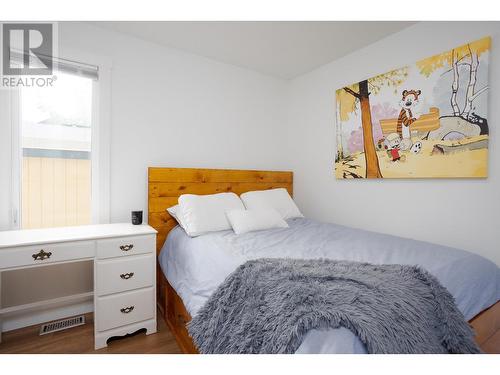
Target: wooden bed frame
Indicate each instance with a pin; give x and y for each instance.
(165, 185)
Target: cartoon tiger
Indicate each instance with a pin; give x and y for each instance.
(406, 117)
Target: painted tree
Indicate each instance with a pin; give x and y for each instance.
(340, 146)
(454, 85)
(466, 55)
(475, 50)
(359, 94)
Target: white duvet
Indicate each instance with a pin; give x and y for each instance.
(195, 267)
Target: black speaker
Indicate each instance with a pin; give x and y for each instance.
(137, 217)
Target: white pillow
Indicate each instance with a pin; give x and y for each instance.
(279, 199)
(201, 214)
(244, 221)
(174, 211)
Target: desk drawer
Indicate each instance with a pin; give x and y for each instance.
(125, 308)
(46, 254)
(122, 274)
(118, 247)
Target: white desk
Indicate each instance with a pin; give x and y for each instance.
(124, 257)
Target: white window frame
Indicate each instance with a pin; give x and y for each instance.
(17, 165)
(100, 141)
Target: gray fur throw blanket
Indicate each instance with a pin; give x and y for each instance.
(268, 305)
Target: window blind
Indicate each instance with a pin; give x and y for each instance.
(59, 64)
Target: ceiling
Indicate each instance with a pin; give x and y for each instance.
(281, 49)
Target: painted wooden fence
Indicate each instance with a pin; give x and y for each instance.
(55, 192)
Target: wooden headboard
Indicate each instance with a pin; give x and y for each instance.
(165, 185)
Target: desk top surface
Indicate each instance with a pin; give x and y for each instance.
(26, 237)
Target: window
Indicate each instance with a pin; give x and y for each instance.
(54, 162)
(56, 133)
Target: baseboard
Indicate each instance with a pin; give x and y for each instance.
(30, 318)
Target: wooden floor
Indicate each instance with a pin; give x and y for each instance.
(492, 345)
(80, 340)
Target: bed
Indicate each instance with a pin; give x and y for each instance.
(191, 268)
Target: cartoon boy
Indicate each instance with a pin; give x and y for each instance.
(392, 145)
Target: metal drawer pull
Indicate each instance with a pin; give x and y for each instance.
(42, 255)
(126, 247)
(126, 310)
(126, 276)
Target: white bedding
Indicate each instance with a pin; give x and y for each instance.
(195, 267)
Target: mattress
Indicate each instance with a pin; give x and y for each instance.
(195, 267)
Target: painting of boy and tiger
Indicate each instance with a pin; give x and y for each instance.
(425, 120)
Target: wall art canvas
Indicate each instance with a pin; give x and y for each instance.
(425, 120)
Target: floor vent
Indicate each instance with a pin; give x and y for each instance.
(59, 325)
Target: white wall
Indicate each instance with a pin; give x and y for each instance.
(5, 161)
(458, 213)
(171, 108)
